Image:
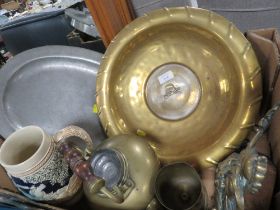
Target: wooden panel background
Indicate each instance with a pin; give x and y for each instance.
(110, 16)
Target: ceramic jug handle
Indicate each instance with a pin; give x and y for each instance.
(74, 131)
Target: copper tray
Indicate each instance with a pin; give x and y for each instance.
(185, 77)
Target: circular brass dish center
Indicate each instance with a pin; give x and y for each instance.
(172, 91)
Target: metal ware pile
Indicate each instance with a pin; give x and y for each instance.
(177, 92)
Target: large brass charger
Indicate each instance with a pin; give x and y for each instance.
(185, 77)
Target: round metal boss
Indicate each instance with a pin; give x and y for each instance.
(173, 91)
(108, 165)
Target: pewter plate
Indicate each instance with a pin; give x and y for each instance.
(52, 87)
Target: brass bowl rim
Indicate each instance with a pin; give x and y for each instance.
(124, 37)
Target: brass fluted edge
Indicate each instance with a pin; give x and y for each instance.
(205, 19)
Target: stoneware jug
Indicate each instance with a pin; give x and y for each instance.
(32, 160)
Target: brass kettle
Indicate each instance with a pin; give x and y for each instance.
(128, 166)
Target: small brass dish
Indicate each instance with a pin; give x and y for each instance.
(185, 77)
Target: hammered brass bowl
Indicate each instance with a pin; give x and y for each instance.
(185, 77)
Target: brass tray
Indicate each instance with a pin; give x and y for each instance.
(185, 77)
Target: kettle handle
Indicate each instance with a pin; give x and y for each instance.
(63, 135)
(81, 168)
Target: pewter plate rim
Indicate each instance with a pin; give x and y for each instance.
(27, 57)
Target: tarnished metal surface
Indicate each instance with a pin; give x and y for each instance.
(244, 172)
(214, 50)
(173, 92)
(108, 165)
(179, 187)
(51, 87)
(137, 183)
(82, 21)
